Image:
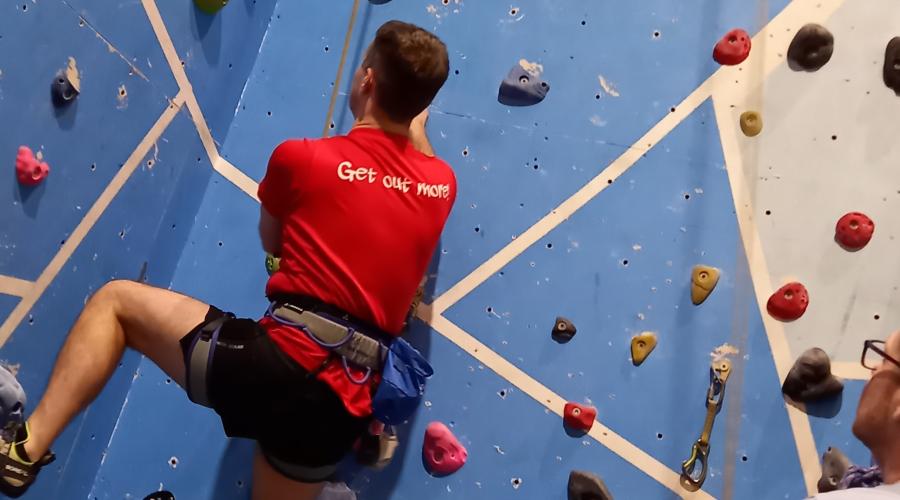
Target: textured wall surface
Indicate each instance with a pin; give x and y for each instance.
(593, 204)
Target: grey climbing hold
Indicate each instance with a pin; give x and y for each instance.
(811, 48)
(563, 330)
(587, 486)
(523, 85)
(892, 65)
(810, 378)
(12, 400)
(834, 466)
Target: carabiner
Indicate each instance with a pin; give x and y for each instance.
(715, 395)
(699, 453)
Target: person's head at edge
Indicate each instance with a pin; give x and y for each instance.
(402, 71)
(877, 422)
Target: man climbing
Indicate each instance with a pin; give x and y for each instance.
(355, 220)
(877, 423)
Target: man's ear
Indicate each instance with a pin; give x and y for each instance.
(368, 81)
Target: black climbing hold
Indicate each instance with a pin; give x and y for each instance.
(834, 466)
(811, 48)
(160, 495)
(892, 64)
(586, 486)
(379, 2)
(563, 330)
(810, 379)
(62, 90)
(523, 86)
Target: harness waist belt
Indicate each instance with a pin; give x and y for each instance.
(356, 347)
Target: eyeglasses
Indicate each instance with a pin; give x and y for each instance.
(873, 355)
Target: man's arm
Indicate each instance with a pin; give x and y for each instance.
(418, 136)
(269, 232)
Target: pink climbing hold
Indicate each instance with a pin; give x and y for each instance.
(788, 302)
(29, 170)
(733, 48)
(442, 452)
(854, 230)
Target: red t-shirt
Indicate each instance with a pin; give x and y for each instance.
(361, 216)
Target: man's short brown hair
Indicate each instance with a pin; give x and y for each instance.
(410, 66)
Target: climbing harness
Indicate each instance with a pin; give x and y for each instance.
(403, 369)
(200, 360)
(715, 396)
(354, 347)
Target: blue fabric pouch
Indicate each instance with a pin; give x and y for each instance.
(402, 383)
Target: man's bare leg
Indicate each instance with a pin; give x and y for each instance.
(269, 484)
(122, 313)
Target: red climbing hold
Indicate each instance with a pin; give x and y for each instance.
(29, 170)
(442, 452)
(854, 230)
(579, 417)
(789, 302)
(733, 48)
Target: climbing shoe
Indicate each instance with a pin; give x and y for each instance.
(17, 472)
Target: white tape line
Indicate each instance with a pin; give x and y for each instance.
(555, 403)
(237, 177)
(221, 165)
(568, 207)
(731, 87)
(90, 218)
(806, 449)
(15, 286)
(795, 14)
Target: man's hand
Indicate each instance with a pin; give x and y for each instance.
(417, 134)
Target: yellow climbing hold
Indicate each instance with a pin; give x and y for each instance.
(751, 123)
(703, 281)
(641, 347)
(210, 6)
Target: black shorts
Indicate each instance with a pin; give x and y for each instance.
(261, 393)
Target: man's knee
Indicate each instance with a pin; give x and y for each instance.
(114, 293)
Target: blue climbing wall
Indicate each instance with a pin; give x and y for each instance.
(122, 151)
(634, 146)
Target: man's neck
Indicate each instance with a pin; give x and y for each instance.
(375, 120)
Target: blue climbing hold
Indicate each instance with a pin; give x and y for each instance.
(523, 86)
(12, 400)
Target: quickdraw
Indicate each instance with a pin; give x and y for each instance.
(715, 396)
